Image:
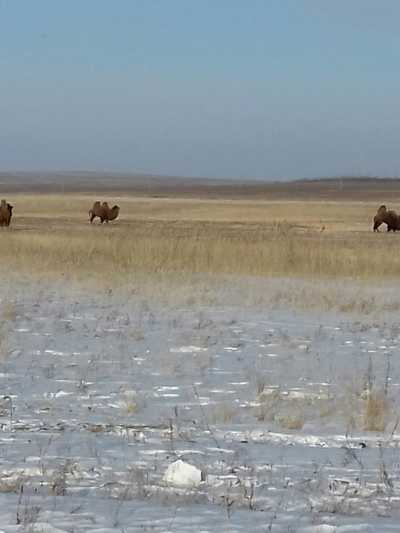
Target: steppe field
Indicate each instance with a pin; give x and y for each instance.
(245, 335)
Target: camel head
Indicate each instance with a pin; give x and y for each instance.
(380, 217)
(113, 213)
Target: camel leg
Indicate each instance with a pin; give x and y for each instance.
(377, 225)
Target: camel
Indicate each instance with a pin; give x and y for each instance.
(104, 212)
(389, 217)
(5, 213)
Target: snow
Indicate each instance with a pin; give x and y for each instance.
(181, 474)
(203, 434)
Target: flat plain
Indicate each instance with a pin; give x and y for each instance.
(188, 234)
(249, 331)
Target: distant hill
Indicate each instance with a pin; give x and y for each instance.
(379, 189)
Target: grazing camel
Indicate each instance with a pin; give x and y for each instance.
(5, 213)
(389, 217)
(104, 212)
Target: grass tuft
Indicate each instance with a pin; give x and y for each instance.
(375, 411)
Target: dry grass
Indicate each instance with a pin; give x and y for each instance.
(129, 402)
(362, 406)
(8, 314)
(368, 410)
(50, 235)
(375, 411)
(291, 421)
(282, 409)
(8, 311)
(222, 413)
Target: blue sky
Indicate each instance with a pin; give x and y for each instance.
(221, 88)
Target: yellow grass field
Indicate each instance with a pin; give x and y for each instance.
(51, 235)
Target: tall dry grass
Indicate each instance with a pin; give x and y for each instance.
(122, 251)
(51, 235)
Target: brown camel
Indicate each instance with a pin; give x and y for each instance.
(5, 213)
(389, 217)
(104, 212)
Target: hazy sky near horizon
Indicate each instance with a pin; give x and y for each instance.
(220, 88)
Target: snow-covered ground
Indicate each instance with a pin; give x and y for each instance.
(100, 394)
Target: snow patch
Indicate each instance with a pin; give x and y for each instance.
(181, 474)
